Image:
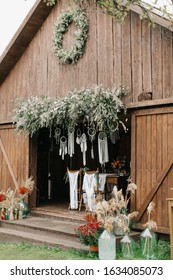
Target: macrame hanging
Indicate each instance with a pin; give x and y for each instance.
(92, 134)
(83, 146)
(103, 148)
(63, 147)
(114, 132)
(71, 141)
(78, 133)
(57, 135)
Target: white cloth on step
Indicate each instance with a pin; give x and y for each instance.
(89, 186)
(73, 182)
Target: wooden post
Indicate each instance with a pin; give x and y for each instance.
(170, 211)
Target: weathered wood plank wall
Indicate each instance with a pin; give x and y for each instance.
(14, 158)
(152, 162)
(132, 53)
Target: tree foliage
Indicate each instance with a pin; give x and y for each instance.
(119, 8)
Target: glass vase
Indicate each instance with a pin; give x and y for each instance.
(148, 242)
(118, 226)
(107, 246)
(23, 206)
(127, 244)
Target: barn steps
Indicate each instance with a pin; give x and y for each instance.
(46, 229)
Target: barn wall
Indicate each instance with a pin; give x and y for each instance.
(14, 159)
(132, 53)
(152, 163)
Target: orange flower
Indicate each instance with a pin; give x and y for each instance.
(2, 197)
(115, 164)
(22, 190)
(90, 218)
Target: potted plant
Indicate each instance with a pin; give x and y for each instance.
(90, 232)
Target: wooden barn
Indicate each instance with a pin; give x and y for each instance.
(133, 54)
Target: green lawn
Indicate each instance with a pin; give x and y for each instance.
(24, 251)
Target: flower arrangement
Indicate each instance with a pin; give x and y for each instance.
(104, 214)
(2, 197)
(97, 106)
(78, 17)
(151, 224)
(26, 188)
(10, 200)
(119, 165)
(148, 236)
(90, 232)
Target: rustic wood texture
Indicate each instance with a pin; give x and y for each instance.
(152, 162)
(170, 211)
(133, 54)
(13, 158)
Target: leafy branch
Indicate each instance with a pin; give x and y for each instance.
(119, 9)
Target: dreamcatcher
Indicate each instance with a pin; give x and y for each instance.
(92, 135)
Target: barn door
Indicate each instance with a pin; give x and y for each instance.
(13, 158)
(152, 163)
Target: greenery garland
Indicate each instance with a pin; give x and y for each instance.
(78, 17)
(96, 106)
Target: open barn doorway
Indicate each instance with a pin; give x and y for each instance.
(52, 186)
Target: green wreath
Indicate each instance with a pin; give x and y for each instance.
(78, 17)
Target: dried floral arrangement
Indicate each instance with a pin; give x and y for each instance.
(10, 201)
(11, 198)
(26, 188)
(148, 236)
(151, 224)
(106, 211)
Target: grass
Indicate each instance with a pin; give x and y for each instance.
(23, 251)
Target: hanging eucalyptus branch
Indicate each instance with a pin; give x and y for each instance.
(96, 106)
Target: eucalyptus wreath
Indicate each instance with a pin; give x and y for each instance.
(78, 17)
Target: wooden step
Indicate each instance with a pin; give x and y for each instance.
(44, 231)
(49, 229)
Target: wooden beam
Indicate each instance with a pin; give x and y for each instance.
(151, 194)
(157, 19)
(8, 164)
(149, 103)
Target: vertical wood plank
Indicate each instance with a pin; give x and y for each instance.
(167, 62)
(157, 63)
(146, 57)
(126, 56)
(136, 56)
